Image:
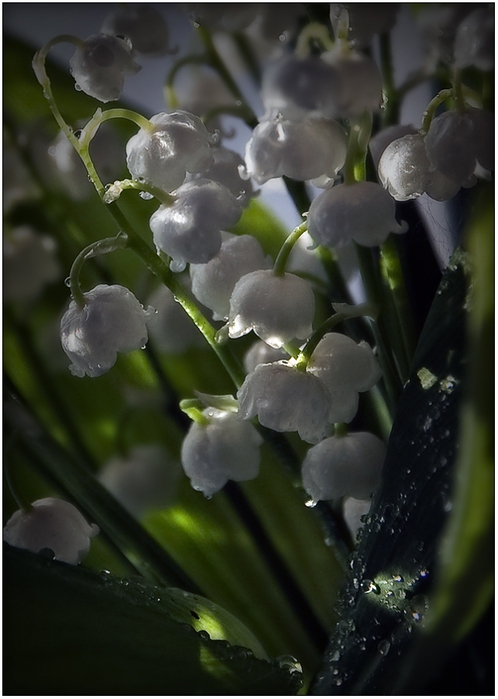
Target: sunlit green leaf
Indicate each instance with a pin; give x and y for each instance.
(70, 631)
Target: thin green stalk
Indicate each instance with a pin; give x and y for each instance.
(392, 273)
(392, 103)
(216, 62)
(372, 286)
(286, 249)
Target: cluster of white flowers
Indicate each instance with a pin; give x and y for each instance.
(314, 98)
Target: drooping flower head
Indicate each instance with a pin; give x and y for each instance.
(278, 308)
(349, 466)
(100, 66)
(111, 321)
(52, 524)
(286, 400)
(223, 449)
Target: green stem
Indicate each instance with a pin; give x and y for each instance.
(216, 62)
(100, 247)
(429, 113)
(113, 191)
(372, 284)
(171, 97)
(392, 272)
(364, 309)
(286, 249)
(163, 272)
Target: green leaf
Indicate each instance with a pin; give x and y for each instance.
(71, 631)
(387, 591)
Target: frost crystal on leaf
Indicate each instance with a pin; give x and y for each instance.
(111, 321)
(51, 524)
(278, 308)
(224, 449)
(286, 400)
(344, 466)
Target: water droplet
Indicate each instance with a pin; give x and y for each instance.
(384, 647)
(204, 635)
(311, 503)
(338, 682)
(146, 195)
(335, 656)
(47, 554)
(67, 281)
(398, 578)
(368, 586)
(77, 87)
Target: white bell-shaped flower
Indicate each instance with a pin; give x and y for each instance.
(346, 369)
(286, 400)
(179, 143)
(223, 449)
(363, 212)
(456, 139)
(52, 524)
(100, 66)
(378, 143)
(404, 167)
(170, 328)
(189, 230)
(278, 308)
(307, 149)
(360, 82)
(111, 321)
(475, 40)
(225, 169)
(300, 87)
(144, 26)
(349, 466)
(213, 282)
(147, 478)
(29, 263)
(261, 353)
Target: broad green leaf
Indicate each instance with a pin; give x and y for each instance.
(70, 631)
(387, 591)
